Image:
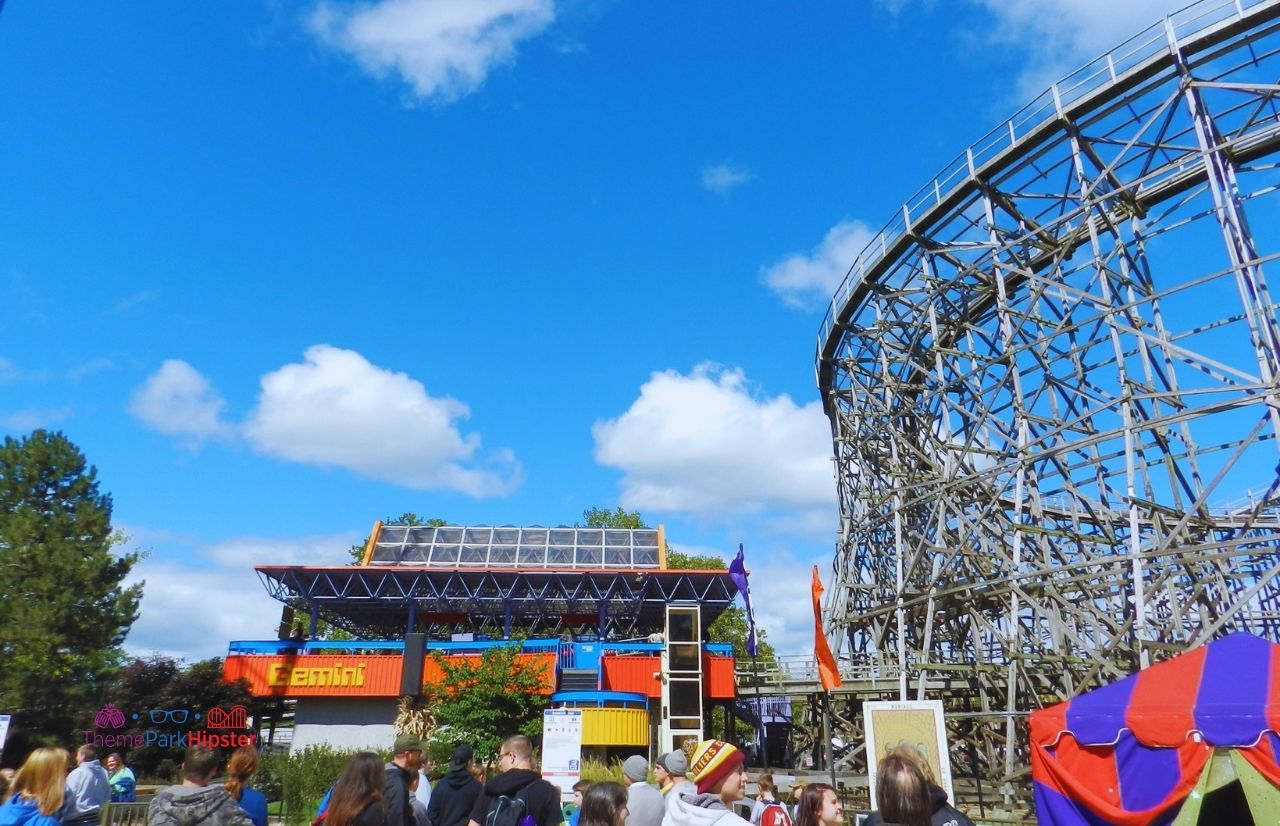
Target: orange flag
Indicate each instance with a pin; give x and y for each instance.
(828, 673)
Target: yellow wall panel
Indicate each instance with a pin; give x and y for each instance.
(615, 727)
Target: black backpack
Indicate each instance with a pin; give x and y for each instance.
(508, 811)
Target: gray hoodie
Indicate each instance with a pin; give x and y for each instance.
(699, 810)
(195, 806)
(88, 788)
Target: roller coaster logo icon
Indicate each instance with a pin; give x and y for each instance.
(236, 717)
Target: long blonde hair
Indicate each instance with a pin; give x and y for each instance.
(43, 778)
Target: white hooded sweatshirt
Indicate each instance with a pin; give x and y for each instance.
(684, 809)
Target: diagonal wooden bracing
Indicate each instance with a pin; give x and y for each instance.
(1054, 389)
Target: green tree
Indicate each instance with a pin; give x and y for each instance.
(617, 518)
(482, 701)
(64, 607)
(145, 683)
(406, 518)
(731, 626)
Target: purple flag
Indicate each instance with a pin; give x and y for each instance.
(738, 573)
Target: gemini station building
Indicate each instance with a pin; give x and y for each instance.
(609, 627)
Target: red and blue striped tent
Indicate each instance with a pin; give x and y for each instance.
(1130, 752)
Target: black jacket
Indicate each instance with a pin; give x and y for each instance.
(373, 814)
(453, 798)
(396, 796)
(542, 799)
(944, 814)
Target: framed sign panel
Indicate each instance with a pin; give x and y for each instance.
(915, 723)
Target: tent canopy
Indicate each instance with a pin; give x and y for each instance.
(1130, 752)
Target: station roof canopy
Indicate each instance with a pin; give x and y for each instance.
(516, 548)
(501, 580)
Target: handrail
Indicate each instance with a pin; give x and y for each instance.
(1026, 127)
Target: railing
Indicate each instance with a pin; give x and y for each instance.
(804, 669)
(1025, 124)
(539, 646)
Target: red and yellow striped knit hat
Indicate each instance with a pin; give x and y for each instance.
(713, 761)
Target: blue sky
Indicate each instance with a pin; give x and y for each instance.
(289, 268)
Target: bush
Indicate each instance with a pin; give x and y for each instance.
(597, 771)
(303, 777)
(270, 777)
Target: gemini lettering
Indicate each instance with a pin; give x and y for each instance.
(298, 676)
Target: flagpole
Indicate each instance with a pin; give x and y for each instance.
(760, 732)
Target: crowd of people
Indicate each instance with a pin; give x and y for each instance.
(702, 790)
(43, 793)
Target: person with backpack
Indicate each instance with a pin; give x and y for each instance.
(518, 796)
(768, 810)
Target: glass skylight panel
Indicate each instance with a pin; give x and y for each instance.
(392, 534)
(481, 546)
(415, 555)
(444, 554)
(420, 535)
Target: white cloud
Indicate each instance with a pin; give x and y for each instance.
(89, 368)
(338, 410)
(129, 302)
(245, 552)
(780, 597)
(1062, 35)
(808, 281)
(724, 177)
(34, 417)
(443, 49)
(707, 444)
(1058, 36)
(192, 613)
(178, 401)
(8, 370)
(191, 609)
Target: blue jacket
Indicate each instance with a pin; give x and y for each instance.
(22, 811)
(254, 804)
(124, 787)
